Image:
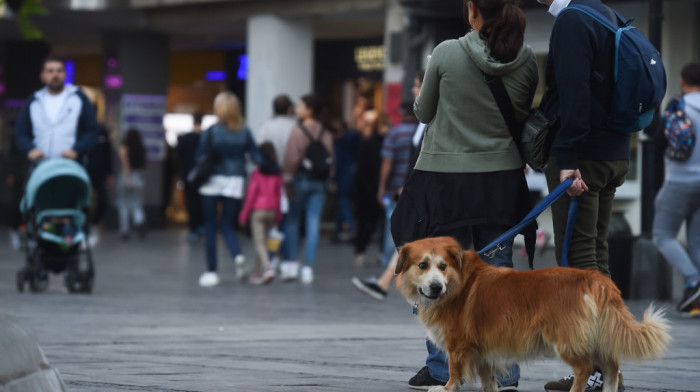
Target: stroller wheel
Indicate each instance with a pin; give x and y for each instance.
(87, 283)
(20, 281)
(72, 282)
(39, 282)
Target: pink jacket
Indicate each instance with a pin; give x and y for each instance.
(264, 193)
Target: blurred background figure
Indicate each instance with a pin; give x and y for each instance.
(100, 167)
(132, 159)
(305, 187)
(231, 140)
(262, 207)
(368, 211)
(186, 147)
(345, 169)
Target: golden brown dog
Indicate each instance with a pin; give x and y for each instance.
(484, 317)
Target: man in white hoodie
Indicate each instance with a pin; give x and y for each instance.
(57, 121)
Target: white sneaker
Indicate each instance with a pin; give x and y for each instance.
(94, 237)
(241, 267)
(307, 275)
(209, 279)
(275, 262)
(289, 270)
(14, 239)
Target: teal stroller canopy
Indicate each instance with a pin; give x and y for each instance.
(57, 184)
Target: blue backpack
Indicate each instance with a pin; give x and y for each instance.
(679, 131)
(640, 77)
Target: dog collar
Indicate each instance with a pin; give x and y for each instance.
(415, 308)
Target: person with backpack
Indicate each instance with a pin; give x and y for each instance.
(307, 167)
(584, 96)
(678, 200)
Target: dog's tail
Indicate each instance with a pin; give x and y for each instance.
(621, 336)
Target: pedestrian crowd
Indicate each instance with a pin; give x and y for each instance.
(449, 167)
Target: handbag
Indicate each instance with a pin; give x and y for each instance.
(204, 168)
(534, 137)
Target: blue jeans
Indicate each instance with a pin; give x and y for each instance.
(344, 215)
(229, 214)
(309, 196)
(678, 202)
(388, 247)
(482, 235)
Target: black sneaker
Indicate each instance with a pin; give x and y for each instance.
(690, 295)
(595, 383)
(370, 287)
(424, 381)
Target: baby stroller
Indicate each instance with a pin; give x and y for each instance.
(55, 205)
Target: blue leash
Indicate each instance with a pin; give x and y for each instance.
(497, 244)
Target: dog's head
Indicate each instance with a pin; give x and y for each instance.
(429, 269)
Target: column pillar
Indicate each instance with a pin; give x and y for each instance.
(281, 61)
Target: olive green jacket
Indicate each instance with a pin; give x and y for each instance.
(466, 131)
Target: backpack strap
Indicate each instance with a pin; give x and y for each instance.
(308, 133)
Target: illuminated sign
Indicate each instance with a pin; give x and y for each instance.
(369, 58)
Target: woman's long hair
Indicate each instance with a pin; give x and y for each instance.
(227, 108)
(320, 113)
(503, 28)
(135, 149)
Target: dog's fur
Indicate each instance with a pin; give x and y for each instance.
(485, 317)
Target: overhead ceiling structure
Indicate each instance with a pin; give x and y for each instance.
(75, 27)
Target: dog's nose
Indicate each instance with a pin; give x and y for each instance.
(435, 288)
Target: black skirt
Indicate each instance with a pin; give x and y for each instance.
(433, 203)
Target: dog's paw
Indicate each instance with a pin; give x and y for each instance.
(438, 388)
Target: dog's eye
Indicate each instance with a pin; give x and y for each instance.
(443, 267)
(423, 265)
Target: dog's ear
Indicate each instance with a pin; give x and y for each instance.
(403, 256)
(455, 251)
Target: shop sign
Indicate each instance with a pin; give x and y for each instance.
(370, 58)
(145, 113)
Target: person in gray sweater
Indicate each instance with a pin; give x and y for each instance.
(679, 201)
(468, 181)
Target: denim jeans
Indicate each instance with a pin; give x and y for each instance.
(344, 215)
(678, 202)
(481, 235)
(388, 247)
(229, 214)
(309, 196)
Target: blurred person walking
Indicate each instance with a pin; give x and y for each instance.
(186, 150)
(308, 165)
(100, 168)
(132, 157)
(396, 155)
(345, 170)
(678, 200)
(469, 174)
(379, 288)
(57, 121)
(368, 210)
(262, 207)
(231, 140)
(277, 129)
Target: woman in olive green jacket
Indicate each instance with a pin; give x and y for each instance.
(468, 182)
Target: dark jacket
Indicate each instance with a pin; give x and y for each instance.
(580, 79)
(186, 149)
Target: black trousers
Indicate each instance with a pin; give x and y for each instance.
(193, 204)
(367, 220)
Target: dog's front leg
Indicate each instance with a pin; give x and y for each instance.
(456, 364)
(488, 378)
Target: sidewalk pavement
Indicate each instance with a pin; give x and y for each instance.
(148, 326)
